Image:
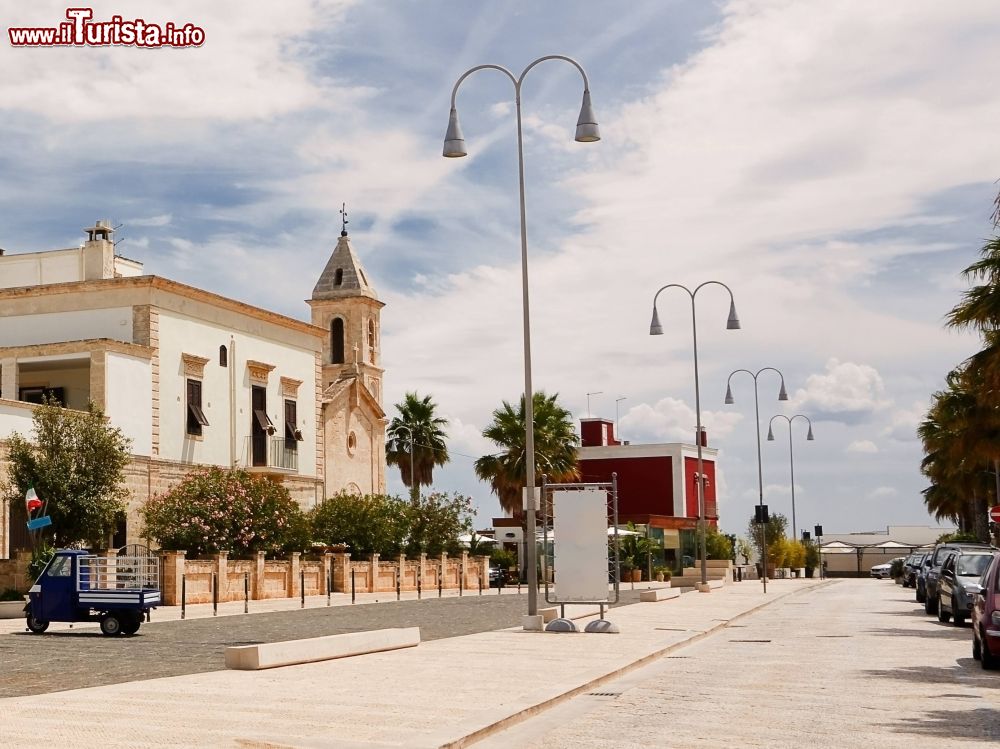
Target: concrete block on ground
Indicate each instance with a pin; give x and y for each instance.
(549, 614)
(659, 594)
(533, 623)
(290, 652)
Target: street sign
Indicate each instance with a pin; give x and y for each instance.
(760, 514)
(39, 523)
(818, 530)
(995, 513)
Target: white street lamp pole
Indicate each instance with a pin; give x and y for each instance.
(618, 435)
(782, 396)
(791, 455)
(454, 146)
(733, 323)
(414, 486)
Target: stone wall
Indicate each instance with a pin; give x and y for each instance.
(262, 578)
(14, 573)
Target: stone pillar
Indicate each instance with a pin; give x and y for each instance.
(257, 578)
(464, 570)
(342, 572)
(293, 572)
(8, 379)
(484, 570)
(222, 574)
(173, 571)
(422, 571)
(443, 569)
(401, 571)
(326, 576)
(373, 575)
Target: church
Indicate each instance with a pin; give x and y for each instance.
(194, 378)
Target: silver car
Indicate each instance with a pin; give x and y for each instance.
(958, 583)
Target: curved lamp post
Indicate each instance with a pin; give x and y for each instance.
(733, 323)
(791, 454)
(454, 147)
(414, 486)
(782, 396)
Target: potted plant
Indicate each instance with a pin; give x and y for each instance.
(812, 557)
(627, 562)
(663, 574)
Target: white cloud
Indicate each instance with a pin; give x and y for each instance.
(672, 420)
(882, 492)
(862, 446)
(847, 392)
(161, 220)
(903, 422)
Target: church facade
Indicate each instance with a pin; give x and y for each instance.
(194, 378)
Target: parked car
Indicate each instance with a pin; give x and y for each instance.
(921, 579)
(940, 553)
(881, 571)
(497, 577)
(986, 617)
(910, 568)
(958, 583)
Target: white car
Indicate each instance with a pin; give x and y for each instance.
(881, 571)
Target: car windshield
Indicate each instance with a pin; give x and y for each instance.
(973, 564)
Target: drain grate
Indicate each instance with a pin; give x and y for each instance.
(671, 629)
(749, 640)
(677, 657)
(243, 642)
(832, 637)
(604, 694)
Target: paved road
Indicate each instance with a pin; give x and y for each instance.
(72, 659)
(856, 664)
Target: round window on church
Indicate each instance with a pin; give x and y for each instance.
(352, 443)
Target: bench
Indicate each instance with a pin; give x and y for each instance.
(290, 652)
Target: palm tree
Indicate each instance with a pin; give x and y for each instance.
(417, 428)
(961, 437)
(555, 449)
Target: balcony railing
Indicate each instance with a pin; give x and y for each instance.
(265, 452)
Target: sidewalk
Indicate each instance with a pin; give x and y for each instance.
(438, 694)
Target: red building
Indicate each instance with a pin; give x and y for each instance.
(657, 484)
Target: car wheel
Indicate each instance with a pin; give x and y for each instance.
(930, 604)
(111, 625)
(943, 615)
(977, 649)
(920, 596)
(957, 618)
(36, 625)
(986, 659)
(131, 625)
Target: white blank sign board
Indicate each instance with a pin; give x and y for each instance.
(580, 527)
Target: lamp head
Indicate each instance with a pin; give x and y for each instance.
(770, 433)
(729, 395)
(782, 394)
(586, 124)
(809, 435)
(654, 325)
(454, 141)
(733, 323)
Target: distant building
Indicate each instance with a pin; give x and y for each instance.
(194, 378)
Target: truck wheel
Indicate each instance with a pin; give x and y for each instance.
(37, 625)
(131, 625)
(111, 625)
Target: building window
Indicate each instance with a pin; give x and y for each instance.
(195, 416)
(56, 396)
(371, 341)
(337, 341)
(223, 356)
(293, 435)
(338, 278)
(352, 443)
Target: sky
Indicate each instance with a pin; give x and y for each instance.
(834, 163)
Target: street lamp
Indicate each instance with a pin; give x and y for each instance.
(782, 396)
(733, 323)
(454, 147)
(791, 454)
(595, 392)
(414, 486)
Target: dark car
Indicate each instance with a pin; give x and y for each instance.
(986, 617)
(920, 583)
(933, 570)
(958, 583)
(910, 568)
(497, 577)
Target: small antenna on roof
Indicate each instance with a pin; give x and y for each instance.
(343, 219)
(121, 239)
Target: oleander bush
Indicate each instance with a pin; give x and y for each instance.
(226, 510)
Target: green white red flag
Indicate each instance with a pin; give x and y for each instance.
(31, 500)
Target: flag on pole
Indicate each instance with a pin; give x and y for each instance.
(31, 500)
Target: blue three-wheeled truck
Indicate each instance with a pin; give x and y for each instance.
(76, 586)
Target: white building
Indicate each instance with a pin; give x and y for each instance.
(194, 378)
